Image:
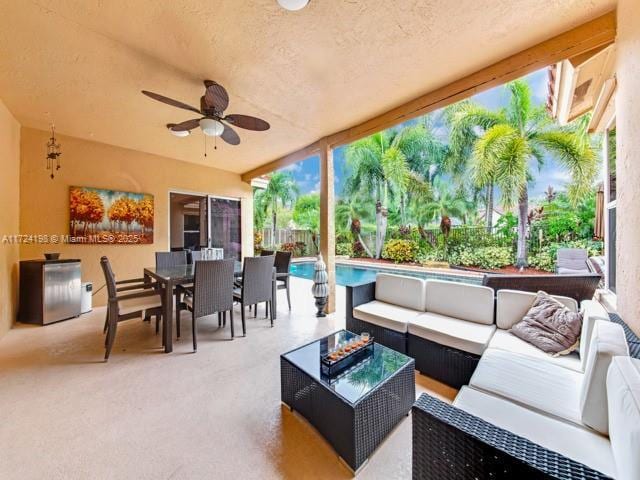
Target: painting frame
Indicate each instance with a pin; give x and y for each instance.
(107, 216)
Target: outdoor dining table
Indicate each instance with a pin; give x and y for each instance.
(169, 277)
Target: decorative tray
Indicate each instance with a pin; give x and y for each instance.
(331, 365)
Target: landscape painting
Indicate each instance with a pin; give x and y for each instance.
(110, 216)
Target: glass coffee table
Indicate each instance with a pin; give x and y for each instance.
(356, 408)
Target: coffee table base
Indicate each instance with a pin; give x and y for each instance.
(353, 430)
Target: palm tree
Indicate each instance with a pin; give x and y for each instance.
(467, 122)
(348, 213)
(281, 189)
(446, 204)
(381, 168)
(550, 194)
(517, 138)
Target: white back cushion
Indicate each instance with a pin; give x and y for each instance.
(463, 301)
(408, 292)
(512, 305)
(591, 311)
(623, 392)
(607, 341)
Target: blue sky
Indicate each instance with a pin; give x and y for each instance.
(307, 172)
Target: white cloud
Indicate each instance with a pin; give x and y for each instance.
(294, 167)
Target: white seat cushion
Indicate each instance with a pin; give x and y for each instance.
(473, 303)
(512, 305)
(623, 391)
(504, 340)
(188, 299)
(607, 340)
(468, 336)
(385, 315)
(139, 304)
(572, 441)
(526, 380)
(404, 291)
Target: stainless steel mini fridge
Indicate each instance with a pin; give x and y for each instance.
(50, 290)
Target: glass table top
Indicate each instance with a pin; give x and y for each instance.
(182, 271)
(357, 380)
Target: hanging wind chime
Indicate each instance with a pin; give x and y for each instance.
(53, 153)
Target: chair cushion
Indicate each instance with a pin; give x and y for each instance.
(527, 381)
(473, 303)
(608, 340)
(467, 336)
(513, 305)
(404, 291)
(623, 392)
(139, 304)
(504, 340)
(550, 326)
(385, 315)
(188, 299)
(570, 440)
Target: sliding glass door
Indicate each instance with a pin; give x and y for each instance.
(225, 226)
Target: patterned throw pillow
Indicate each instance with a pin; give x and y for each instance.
(550, 326)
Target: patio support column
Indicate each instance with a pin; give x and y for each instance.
(327, 222)
(627, 164)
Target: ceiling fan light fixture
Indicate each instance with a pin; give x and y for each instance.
(211, 127)
(179, 133)
(293, 5)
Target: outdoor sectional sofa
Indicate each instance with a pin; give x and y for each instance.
(446, 326)
(520, 413)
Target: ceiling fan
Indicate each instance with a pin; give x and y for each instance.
(213, 121)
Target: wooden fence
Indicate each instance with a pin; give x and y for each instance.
(285, 235)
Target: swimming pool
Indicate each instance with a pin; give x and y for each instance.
(350, 275)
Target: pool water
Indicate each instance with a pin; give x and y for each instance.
(350, 275)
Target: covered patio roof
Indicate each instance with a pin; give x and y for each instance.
(310, 73)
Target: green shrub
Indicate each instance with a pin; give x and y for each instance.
(400, 250)
(483, 257)
(344, 249)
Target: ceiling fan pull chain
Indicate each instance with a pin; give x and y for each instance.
(205, 145)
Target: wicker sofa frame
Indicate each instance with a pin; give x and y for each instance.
(451, 443)
(579, 287)
(443, 363)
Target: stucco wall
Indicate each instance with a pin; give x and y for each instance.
(9, 215)
(44, 203)
(628, 162)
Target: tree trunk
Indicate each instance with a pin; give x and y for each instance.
(273, 227)
(489, 208)
(381, 227)
(523, 213)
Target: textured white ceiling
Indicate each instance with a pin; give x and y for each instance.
(309, 73)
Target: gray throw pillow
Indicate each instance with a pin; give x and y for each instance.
(550, 326)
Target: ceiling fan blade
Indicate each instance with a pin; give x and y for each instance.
(230, 136)
(170, 101)
(247, 122)
(216, 96)
(184, 126)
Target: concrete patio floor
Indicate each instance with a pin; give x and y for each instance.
(146, 414)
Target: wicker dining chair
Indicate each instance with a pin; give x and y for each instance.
(256, 286)
(127, 305)
(171, 259)
(131, 285)
(266, 253)
(212, 292)
(283, 264)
